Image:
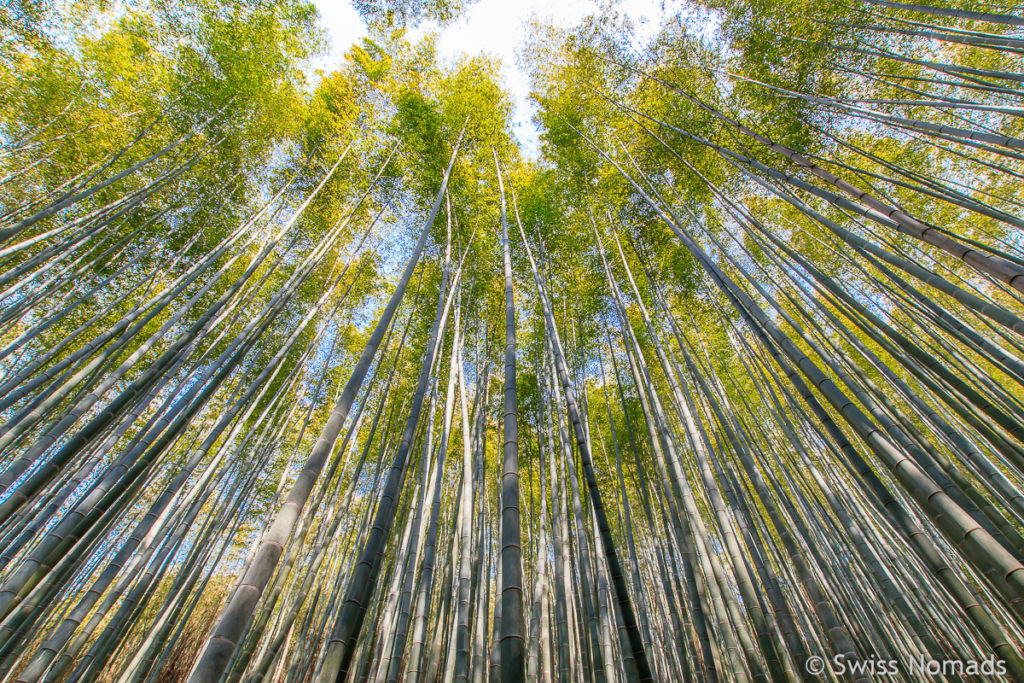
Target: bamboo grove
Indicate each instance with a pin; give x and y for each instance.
(315, 376)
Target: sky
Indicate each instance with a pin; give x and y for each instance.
(492, 26)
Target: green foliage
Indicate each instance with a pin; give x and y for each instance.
(403, 13)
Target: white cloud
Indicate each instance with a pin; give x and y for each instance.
(343, 25)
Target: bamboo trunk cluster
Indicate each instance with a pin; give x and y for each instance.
(530, 444)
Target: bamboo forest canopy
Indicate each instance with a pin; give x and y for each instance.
(317, 376)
